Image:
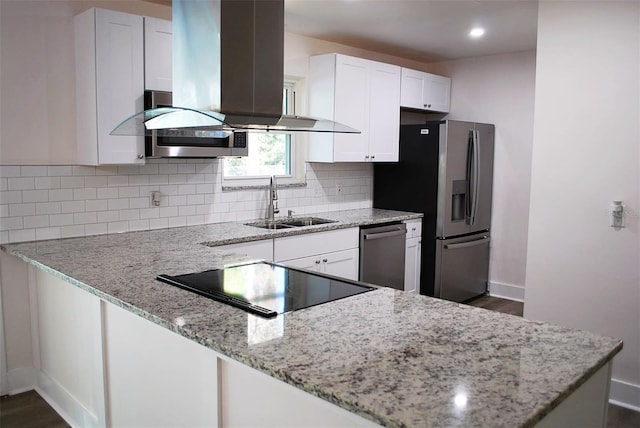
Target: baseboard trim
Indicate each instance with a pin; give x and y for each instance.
(22, 380)
(506, 291)
(65, 404)
(625, 394)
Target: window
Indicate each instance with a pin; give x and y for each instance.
(270, 153)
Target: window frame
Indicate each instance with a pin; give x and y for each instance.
(297, 152)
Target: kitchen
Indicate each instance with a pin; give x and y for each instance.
(507, 74)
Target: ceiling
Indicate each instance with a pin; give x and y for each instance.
(424, 30)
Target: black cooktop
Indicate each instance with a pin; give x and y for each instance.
(266, 289)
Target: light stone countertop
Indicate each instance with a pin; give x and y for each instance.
(395, 358)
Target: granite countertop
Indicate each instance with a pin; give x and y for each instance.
(392, 357)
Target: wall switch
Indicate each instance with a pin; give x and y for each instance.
(155, 199)
(617, 214)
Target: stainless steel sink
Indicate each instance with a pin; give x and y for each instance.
(286, 223)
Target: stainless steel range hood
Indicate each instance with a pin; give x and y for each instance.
(228, 72)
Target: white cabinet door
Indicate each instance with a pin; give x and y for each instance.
(384, 114)
(109, 85)
(359, 93)
(352, 99)
(412, 88)
(425, 91)
(344, 264)
(309, 263)
(437, 91)
(412, 259)
(157, 54)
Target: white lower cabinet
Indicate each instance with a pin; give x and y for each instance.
(413, 256)
(339, 263)
(335, 252)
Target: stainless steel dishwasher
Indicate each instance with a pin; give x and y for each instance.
(382, 255)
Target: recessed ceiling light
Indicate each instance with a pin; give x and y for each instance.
(476, 32)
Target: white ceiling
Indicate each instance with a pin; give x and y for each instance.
(425, 30)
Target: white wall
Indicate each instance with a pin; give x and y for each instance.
(499, 89)
(580, 271)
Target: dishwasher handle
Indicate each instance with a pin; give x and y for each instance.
(381, 235)
(468, 244)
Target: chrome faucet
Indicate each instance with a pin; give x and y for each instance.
(272, 208)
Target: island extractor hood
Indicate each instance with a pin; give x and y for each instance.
(228, 72)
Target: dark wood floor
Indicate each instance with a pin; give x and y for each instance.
(498, 305)
(29, 410)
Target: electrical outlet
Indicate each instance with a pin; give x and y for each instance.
(155, 199)
(338, 188)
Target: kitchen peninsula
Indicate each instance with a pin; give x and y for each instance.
(384, 357)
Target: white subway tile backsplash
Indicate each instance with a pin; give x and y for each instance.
(9, 171)
(129, 214)
(61, 195)
(48, 208)
(107, 193)
(117, 180)
(118, 204)
(128, 192)
(36, 221)
(11, 223)
(47, 233)
(118, 227)
(95, 181)
(48, 182)
(96, 205)
(59, 171)
(107, 216)
(60, 219)
(84, 218)
(17, 210)
(84, 170)
(35, 195)
(22, 235)
(11, 197)
(69, 231)
(86, 193)
(95, 229)
(72, 206)
(21, 183)
(48, 202)
(33, 171)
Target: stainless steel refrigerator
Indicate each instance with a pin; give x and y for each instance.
(445, 171)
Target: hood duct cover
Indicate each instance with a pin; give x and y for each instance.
(228, 72)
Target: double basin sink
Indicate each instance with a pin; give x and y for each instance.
(287, 223)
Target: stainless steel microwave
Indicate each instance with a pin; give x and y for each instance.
(179, 144)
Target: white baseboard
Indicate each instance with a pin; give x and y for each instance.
(625, 394)
(506, 291)
(22, 380)
(65, 404)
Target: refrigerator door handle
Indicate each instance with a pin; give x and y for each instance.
(467, 244)
(476, 176)
(468, 205)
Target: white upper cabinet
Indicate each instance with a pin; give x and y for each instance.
(109, 85)
(359, 93)
(425, 91)
(157, 54)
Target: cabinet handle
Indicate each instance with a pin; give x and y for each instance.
(373, 157)
(324, 260)
(317, 262)
(428, 105)
(140, 156)
(413, 228)
(366, 157)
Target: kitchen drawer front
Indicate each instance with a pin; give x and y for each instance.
(295, 247)
(260, 249)
(414, 228)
